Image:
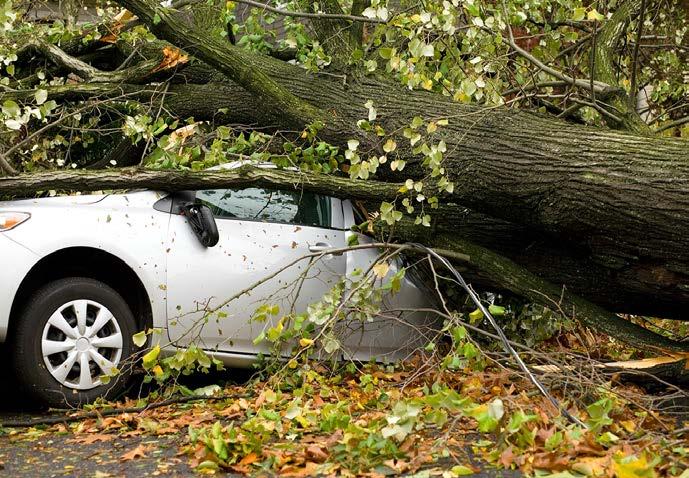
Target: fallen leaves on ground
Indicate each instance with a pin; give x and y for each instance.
(379, 421)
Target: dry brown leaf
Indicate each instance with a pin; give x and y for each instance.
(507, 457)
(317, 453)
(138, 452)
(551, 461)
(91, 438)
(310, 469)
(171, 58)
(249, 459)
(180, 135)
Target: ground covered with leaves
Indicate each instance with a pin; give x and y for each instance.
(419, 419)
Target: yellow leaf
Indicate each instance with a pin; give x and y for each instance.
(628, 425)
(633, 467)
(461, 470)
(475, 316)
(150, 358)
(381, 269)
(390, 145)
(158, 371)
(305, 342)
(592, 466)
(594, 15)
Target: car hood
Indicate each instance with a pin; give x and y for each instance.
(55, 201)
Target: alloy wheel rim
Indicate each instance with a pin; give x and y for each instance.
(81, 342)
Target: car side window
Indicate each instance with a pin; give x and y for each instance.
(268, 205)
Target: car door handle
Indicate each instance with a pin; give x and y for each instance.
(322, 246)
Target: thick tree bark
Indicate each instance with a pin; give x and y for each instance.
(176, 180)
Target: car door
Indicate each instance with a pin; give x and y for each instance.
(404, 323)
(261, 231)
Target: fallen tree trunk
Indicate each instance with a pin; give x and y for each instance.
(483, 265)
(558, 262)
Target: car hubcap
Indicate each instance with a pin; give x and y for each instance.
(81, 342)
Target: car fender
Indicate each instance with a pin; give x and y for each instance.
(125, 226)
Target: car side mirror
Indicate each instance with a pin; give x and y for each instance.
(202, 222)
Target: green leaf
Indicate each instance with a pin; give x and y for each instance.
(330, 344)
(10, 108)
(207, 391)
(139, 339)
(41, 96)
(461, 470)
(386, 53)
(496, 310)
(151, 357)
(579, 14)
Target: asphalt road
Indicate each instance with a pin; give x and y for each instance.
(37, 455)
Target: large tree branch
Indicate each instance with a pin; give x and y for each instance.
(605, 70)
(354, 17)
(278, 104)
(672, 124)
(635, 56)
(333, 35)
(129, 178)
(522, 282)
(357, 30)
(136, 74)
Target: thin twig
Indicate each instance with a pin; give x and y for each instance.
(635, 56)
(319, 16)
(672, 124)
(598, 108)
(596, 86)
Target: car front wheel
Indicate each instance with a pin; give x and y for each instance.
(71, 334)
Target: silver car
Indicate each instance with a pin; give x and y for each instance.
(81, 275)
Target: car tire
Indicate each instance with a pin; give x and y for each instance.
(65, 325)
